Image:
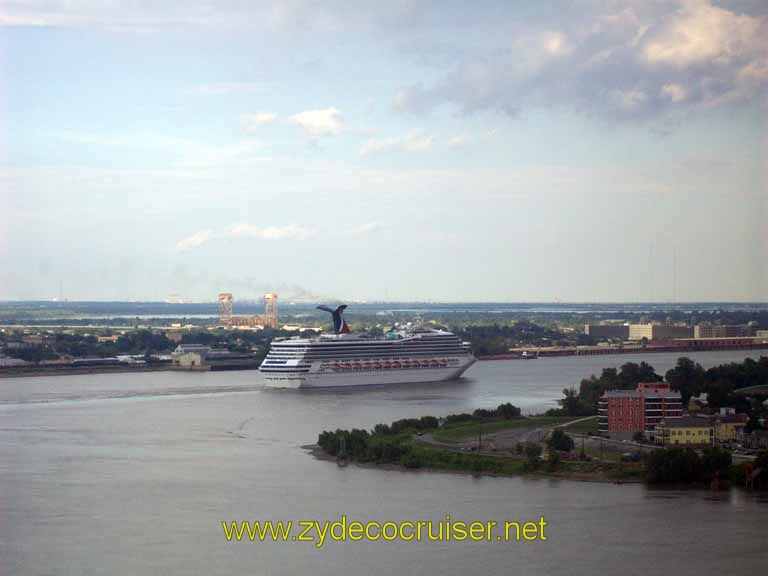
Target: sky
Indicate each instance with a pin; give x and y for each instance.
(586, 151)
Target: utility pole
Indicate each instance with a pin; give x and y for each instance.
(479, 438)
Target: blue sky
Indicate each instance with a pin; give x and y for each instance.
(401, 151)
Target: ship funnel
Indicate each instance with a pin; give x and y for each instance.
(339, 324)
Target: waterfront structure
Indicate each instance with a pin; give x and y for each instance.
(624, 413)
(270, 310)
(686, 431)
(650, 332)
(225, 308)
(722, 331)
(607, 331)
(408, 355)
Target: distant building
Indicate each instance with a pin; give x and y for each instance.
(650, 332)
(11, 362)
(762, 333)
(729, 427)
(189, 360)
(722, 331)
(174, 336)
(225, 308)
(196, 348)
(755, 440)
(624, 413)
(270, 310)
(686, 431)
(607, 331)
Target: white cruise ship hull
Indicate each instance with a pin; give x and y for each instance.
(322, 377)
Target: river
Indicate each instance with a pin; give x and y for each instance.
(133, 474)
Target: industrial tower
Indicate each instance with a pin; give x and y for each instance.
(225, 308)
(270, 310)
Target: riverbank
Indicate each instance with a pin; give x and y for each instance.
(688, 346)
(564, 473)
(33, 371)
(484, 444)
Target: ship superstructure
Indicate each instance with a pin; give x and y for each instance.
(409, 354)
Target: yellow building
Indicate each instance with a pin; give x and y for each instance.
(730, 427)
(687, 431)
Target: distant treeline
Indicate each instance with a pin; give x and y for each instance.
(138, 342)
(687, 377)
(491, 339)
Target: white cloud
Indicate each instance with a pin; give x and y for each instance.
(366, 229)
(700, 32)
(417, 142)
(412, 142)
(319, 123)
(197, 239)
(629, 99)
(675, 92)
(556, 44)
(621, 60)
(455, 141)
(289, 232)
(252, 122)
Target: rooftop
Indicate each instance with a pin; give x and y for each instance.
(685, 422)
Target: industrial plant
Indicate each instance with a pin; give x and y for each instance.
(228, 320)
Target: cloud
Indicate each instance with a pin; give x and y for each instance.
(458, 140)
(197, 239)
(252, 122)
(319, 123)
(632, 60)
(366, 229)
(675, 92)
(289, 232)
(703, 33)
(412, 142)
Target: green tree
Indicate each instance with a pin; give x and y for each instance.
(687, 377)
(532, 453)
(559, 441)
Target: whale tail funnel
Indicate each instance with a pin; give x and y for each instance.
(339, 324)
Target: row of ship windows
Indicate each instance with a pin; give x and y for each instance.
(367, 353)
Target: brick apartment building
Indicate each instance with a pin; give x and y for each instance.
(623, 413)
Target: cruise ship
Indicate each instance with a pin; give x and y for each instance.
(408, 355)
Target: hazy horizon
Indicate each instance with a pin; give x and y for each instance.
(396, 152)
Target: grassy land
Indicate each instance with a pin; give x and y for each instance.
(583, 427)
(465, 430)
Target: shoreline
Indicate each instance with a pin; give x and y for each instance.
(543, 353)
(318, 453)
(37, 371)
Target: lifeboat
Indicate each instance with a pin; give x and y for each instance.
(387, 364)
(425, 363)
(443, 363)
(377, 365)
(433, 363)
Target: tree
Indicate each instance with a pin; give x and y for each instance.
(532, 453)
(715, 462)
(687, 377)
(560, 441)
